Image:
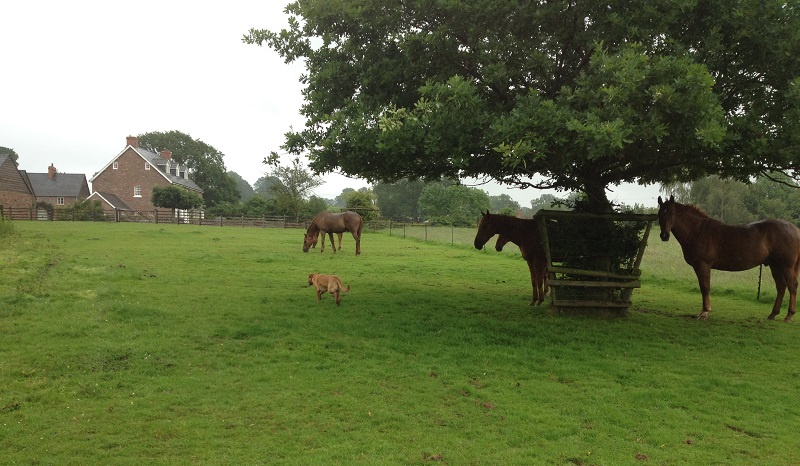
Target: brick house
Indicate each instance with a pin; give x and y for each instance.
(129, 178)
(59, 189)
(15, 187)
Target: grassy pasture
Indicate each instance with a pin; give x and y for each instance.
(131, 343)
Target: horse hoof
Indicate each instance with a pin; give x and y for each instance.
(703, 316)
(771, 317)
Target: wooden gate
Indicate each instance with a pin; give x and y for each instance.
(593, 259)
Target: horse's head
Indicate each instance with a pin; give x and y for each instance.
(308, 241)
(666, 216)
(485, 230)
(501, 241)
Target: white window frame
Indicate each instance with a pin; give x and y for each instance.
(146, 166)
(115, 166)
(137, 191)
(59, 200)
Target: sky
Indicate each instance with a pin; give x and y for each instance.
(79, 76)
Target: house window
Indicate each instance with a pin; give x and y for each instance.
(146, 166)
(60, 201)
(137, 191)
(116, 165)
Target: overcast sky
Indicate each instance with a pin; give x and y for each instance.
(79, 76)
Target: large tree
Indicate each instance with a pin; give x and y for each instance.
(203, 160)
(559, 94)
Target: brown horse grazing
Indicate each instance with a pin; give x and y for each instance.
(329, 222)
(710, 244)
(525, 234)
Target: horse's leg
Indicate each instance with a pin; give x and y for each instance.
(782, 277)
(792, 290)
(703, 272)
(537, 298)
(321, 236)
(357, 237)
(333, 244)
(340, 241)
(541, 267)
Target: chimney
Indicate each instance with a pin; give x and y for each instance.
(51, 172)
(133, 141)
(166, 154)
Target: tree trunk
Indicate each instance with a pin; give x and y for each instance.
(597, 200)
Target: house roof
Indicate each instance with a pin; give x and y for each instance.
(112, 200)
(62, 184)
(5, 159)
(160, 163)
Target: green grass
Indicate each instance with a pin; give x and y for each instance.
(131, 343)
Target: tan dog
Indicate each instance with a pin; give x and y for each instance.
(329, 283)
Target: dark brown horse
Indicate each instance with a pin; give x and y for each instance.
(710, 244)
(525, 234)
(329, 222)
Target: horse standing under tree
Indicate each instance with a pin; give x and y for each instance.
(329, 222)
(710, 244)
(525, 234)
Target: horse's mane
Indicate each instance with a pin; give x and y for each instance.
(693, 209)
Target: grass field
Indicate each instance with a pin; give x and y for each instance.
(138, 343)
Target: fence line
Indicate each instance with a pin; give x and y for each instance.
(188, 217)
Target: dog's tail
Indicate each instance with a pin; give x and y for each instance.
(346, 289)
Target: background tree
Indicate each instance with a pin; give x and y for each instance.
(547, 201)
(9, 152)
(174, 197)
(448, 203)
(504, 204)
(399, 199)
(266, 186)
(245, 190)
(295, 184)
(341, 199)
(583, 94)
(203, 160)
(313, 206)
(363, 202)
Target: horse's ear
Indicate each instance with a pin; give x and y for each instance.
(671, 198)
(660, 202)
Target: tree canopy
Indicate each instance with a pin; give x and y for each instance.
(203, 160)
(559, 94)
(175, 197)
